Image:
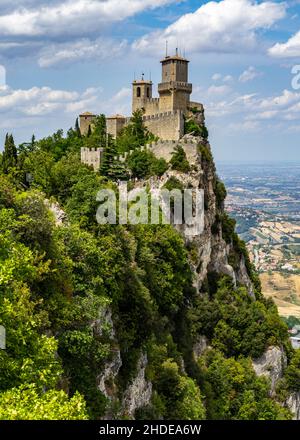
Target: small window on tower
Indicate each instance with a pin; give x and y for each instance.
(138, 92)
(148, 92)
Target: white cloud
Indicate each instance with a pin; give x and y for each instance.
(73, 17)
(287, 50)
(216, 77)
(218, 90)
(219, 77)
(225, 26)
(249, 74)
(2, 76)
(251, 112)
(38, 101)
(245, 126)
(228, 78)
(283, 101)
(41, 102)
(80, 50)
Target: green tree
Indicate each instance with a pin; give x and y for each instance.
(179, 160)
(135, 134)
(10, 154)
(77, 128)
(140, 164)
(27, 403)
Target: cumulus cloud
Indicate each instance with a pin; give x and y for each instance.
(218, 90)
(84, 49)
(225, 26)
(250, 112)
(249, 74)
(216, 77)
(289, 49)
(219, 77)
(42, 102)
(35, 101)
(73, 17)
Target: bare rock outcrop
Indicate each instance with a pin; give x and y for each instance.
(139, 392)
(271, 364)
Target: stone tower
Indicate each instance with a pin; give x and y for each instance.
(174, 90)
(141, 94)
(86, 121)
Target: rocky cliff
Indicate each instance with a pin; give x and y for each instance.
(213, 253)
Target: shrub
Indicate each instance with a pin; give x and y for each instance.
(179, 160)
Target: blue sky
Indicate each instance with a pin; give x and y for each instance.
(67, 56)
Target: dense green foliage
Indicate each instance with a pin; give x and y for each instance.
(135, 134)
(179, 161)
(143, 164)
(60, 283)
(25, 403)
(191, 126)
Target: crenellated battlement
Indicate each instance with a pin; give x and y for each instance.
(92, 157)
(162, 115)
(164, 149)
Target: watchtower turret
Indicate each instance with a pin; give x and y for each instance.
(141, 93)
(174, 90)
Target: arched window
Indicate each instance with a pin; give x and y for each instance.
(138, 92)
(148, 92)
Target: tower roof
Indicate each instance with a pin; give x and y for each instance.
(87, 114)
(175, 58)
(117, 116)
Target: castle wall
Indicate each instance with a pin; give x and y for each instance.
(92, 157)
(165, 102)
(164, 149)
(151, 106)
(169, 125)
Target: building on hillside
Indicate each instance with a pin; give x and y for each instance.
(163, 116)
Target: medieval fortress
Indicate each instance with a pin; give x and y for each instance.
(163, 116)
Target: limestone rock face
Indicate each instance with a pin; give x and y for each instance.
(200, 346)
(293, 404)
(243, 277)
(139, 392)
(60, 217)
(106, 380)
(271, 364)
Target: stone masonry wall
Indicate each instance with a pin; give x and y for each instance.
(92, 157)
(164, 149)
(168, 125)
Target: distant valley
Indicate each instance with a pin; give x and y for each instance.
(264, 200)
